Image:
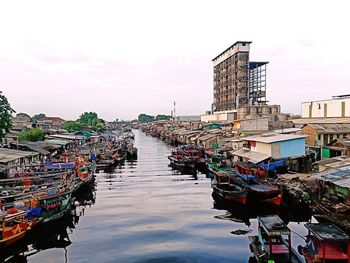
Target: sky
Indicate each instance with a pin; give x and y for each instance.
(123, 58)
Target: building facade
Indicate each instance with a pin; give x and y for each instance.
(239, 87)
(337, 107)
(322, 134)
(237, 81)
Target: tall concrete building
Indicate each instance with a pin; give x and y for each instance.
(237, 81)
(239, 87)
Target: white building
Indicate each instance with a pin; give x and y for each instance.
(338, 106)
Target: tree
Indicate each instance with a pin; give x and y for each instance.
(87, 117)
(5, 116)
(92, 121)
(163, 117)
(72, 126)
(39, 117)
(32, 135)
(145, 118)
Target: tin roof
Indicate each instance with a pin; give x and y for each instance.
(274, 137)
(331, 128)
(9, 155)
(340, 176)
(253, 157)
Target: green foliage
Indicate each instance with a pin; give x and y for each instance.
(100, 127)
(163, 117)
(87, 118)
(5, 115)
(32, 135)
(145, 118)
(92, 121)
(72, 126)
(39, 117)
(22, 114)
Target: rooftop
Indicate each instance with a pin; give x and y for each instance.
(330, 128)
(274, 137)
(253, 157)
(9, 155)
(238, 42)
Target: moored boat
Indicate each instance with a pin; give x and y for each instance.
(273, 242)
(326, 243)
(259, 191)
(226, 189)
(13, 225)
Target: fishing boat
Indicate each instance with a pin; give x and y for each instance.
(259, 191)
(326, 243)
(273, 242)
(13, 225)
(225, 189)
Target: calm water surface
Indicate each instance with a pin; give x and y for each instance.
(144, 212)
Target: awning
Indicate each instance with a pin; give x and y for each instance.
(253, 157)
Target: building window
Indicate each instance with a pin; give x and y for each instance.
(319, 137)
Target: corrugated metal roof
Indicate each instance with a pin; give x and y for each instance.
(274, 137)
(253, 157)
(8, 155)
(340, 176)
(206, 137)
(331, 128)
(57, 142)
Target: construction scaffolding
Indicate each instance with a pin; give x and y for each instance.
(257, 83)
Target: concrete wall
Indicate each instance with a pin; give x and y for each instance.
(325, 108)
(218, 116)
(258, 124)
(239, 47)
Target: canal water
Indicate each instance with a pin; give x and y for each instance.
(145, 212)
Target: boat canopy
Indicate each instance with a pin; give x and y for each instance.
(327, 232)
(273, 225)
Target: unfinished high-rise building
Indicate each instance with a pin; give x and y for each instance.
(237, 81)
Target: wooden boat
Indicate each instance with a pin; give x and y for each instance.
(224, 187)
(14, 225)
(182, 163)
(220, 168)
(273, 242)
(326, 243)
(259, 191)
(55, 202)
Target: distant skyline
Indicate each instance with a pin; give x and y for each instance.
(123, 58)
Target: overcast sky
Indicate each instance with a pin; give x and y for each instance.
(122, 58)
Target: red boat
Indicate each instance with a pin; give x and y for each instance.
(326, 243)
(225, 188)
(14, 226)
(259, 191)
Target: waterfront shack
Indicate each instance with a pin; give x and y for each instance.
(10, 158)
(273, 147)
